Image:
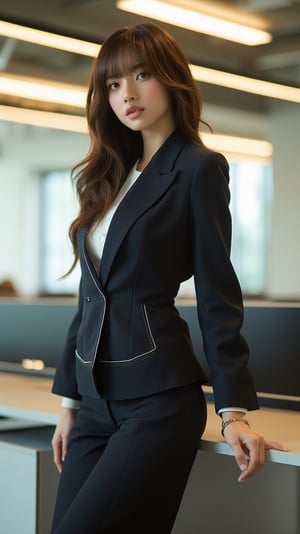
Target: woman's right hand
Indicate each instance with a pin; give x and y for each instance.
(61, 435)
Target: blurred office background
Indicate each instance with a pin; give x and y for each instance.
(256, 125)
(250, 82)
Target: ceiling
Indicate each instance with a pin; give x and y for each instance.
(93, 20)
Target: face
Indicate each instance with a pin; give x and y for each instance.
(141, 102)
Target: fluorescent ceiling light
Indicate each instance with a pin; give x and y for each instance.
(44, 119)
(248, 85)
(176, 13)
(51, 40)
(238, 145)
(42, 90)
(202, 74)
(73, 123)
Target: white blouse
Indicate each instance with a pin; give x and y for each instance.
(97, 236)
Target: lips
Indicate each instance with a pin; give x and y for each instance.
(134, 112)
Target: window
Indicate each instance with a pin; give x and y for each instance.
(251, 203)
(58, 207)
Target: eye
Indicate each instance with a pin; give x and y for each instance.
(143, 75)
(112, 85)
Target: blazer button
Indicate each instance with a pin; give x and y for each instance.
(89, 299)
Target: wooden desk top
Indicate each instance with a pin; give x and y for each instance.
(30, 398)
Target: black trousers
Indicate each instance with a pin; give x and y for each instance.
(128, 463)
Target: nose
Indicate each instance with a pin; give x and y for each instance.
(129, 92)
(129, 98)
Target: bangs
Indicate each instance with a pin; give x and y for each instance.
(123, 56)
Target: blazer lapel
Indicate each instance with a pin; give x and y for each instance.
(84, 257)
(149, 187)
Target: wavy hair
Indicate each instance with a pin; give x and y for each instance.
(113, 147)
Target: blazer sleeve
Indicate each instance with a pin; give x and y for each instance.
(219, 299)
(65, 382)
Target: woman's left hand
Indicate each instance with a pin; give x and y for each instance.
(249, 448)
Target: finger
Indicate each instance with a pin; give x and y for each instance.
(58, 459)
(240, 457)
(256, 458)
(64, 448)
(57, 453)
(276, 446)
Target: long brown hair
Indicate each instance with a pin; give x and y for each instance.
(113, 147)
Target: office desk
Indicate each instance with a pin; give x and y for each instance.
(30, 398)
(268, 503)
(214, 502)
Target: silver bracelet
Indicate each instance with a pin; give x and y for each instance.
(229, 421)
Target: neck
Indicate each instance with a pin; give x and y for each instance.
(152, 143)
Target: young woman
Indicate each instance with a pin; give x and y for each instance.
(153, 212)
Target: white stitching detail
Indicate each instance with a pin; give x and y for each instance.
(112, 362)
(81, 359)
(92, 361)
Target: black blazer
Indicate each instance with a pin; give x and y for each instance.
(127, 336)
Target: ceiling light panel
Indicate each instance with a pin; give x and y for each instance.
(51, 40)
(196, 21)
(42, 90)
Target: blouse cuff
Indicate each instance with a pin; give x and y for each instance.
(232, 409)
(70, 403)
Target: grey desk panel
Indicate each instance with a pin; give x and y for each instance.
(37, 330)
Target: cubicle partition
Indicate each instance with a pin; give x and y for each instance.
(36, 329)
(272, 333)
